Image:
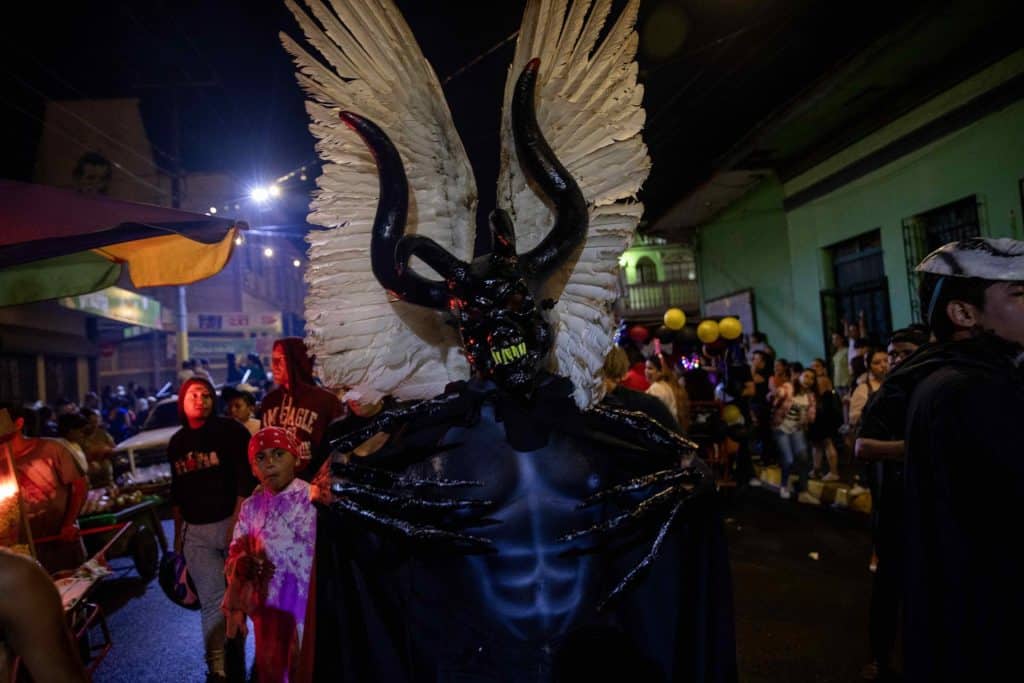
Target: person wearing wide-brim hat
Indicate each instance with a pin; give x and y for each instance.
(964, 465)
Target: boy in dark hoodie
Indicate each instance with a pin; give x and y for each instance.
(210, 477)
(297, 404)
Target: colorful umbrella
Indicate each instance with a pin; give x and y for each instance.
(56, 243)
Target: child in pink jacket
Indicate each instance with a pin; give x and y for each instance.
(271, 556)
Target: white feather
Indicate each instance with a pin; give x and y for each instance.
(368, 62)
(589, 109)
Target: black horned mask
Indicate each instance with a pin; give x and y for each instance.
(503, 330)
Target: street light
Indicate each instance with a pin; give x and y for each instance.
(274, 191)
(268, 252)
(259, 194)
(296, 263)
(213, 209)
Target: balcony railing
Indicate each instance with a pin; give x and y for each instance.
(654, 298)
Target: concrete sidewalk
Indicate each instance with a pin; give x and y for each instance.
(837, 494)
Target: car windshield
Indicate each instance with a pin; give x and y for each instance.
(163, 414)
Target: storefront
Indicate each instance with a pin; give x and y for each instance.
(128, 331)
(46, 353)
(213, 336)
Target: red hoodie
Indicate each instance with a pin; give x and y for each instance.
(303, 409)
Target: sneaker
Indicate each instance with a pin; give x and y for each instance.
(857, 490)
(814, 474)
(784, 493)
(808, 499)
(754, 481)
(831, 476)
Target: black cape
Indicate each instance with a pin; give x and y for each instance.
(964, 488)
(386, 613)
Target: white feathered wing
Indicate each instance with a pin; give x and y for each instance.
(370, 64)
(589, 107)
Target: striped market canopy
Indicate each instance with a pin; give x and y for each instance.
(56, 243)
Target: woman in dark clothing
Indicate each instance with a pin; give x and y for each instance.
(824, 431)
(257, 373)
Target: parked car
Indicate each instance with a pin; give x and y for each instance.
(149, 446)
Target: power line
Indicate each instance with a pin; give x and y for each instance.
(193, 45)
(483, 55)
(47, 99)
(215, 82)
(80, 93)
(87, 147)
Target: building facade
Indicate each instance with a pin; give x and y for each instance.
(843, 236)
(62, 349)
(656, 275)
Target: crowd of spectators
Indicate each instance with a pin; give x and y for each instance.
(909, 411)
(744, 404)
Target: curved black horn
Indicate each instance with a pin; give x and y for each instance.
(503, 234)
(431, 253)
(571, 218)
(391, 267)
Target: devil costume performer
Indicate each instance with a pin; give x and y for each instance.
(506, 526)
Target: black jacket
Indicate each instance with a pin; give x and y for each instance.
(964, 487)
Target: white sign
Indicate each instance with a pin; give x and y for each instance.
(217, 347)
(738, 304)
(235, 322)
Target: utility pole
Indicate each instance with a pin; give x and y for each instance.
(177, 183)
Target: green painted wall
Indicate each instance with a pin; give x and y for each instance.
(747, 247)
(782, 256)
(985, 159)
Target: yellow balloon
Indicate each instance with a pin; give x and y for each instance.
(730, 327)
(707, 331)
(675, 319)
(731, 414)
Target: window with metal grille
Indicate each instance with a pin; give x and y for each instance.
(858, 260)
(18, 378)
(925, 232)
(859, 286)
(646, 271)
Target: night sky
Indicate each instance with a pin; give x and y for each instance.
(241, 109)
(713, 70)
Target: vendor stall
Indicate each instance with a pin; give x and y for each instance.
(135, 527)
(14, 530)
(85, 617)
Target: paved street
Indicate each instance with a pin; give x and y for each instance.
(797, 619)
